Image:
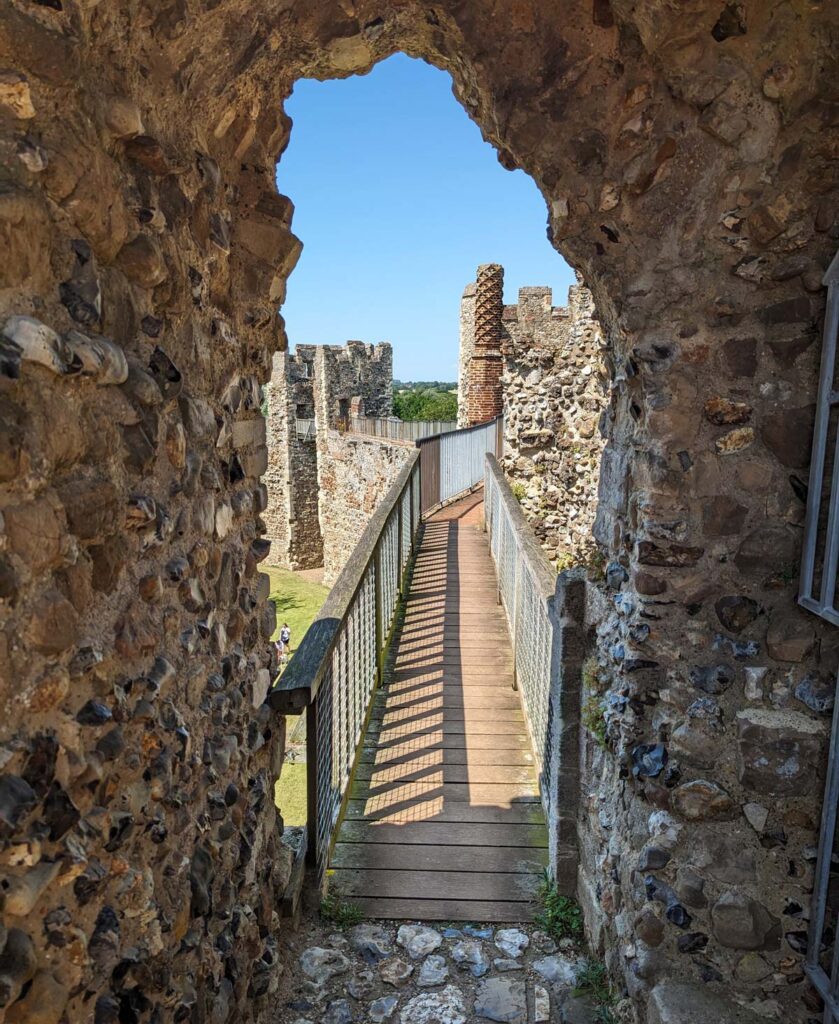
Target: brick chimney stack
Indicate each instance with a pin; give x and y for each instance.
(485, 398)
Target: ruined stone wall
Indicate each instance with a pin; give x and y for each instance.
(467, 345)
(688, 162)
(277, 474)
(354, 378)
(291, 516)
(354, 473)
(554, 394)
(356, 371)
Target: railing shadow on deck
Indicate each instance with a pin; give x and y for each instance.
(546, 614)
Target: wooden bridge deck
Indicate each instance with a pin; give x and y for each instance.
(444, 820)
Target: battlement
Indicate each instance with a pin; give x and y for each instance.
(311, 390)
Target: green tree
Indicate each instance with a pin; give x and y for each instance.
(426, 404)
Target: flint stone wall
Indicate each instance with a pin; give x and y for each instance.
(354, 473)
(689, 172)
(354, 378)
(291, 516)
(355, 373)
(554, 394)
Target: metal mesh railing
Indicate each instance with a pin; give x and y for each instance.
(527, 586)
(335, 670)
(453, 463)
(306, 429)
(393, 429)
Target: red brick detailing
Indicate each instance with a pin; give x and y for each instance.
(485, 399)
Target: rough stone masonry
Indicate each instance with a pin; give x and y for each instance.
(310, 394)
(688, 161)
(549, 369)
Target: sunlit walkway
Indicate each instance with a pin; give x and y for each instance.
(444, 820)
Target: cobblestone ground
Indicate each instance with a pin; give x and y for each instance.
(414, 973)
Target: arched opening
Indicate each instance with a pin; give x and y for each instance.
(374, 260)
(687, 175)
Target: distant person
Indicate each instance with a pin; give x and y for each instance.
(279, 647)
(285, 637)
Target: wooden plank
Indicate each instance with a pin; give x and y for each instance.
(446, 910)
(522, 812)
(434, 738)
(475, 715)
(448, 660)
(419, 857)
(445, 833)
(496, 794)
(501, 774)
(507, 886)
(444, 686)
(448, 674)
(421, 754)
(450, 724)
(488, 700)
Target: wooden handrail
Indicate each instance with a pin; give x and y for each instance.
(298, 685)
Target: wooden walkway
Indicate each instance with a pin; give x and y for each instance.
(444, 820)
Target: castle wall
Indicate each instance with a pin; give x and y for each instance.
(355, 371)
(355, 378)
(467, 346)
(291, 518)
(687, 162)
(554, 394)
(354, 473)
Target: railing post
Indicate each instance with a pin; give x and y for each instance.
(379, 609)
(567, 612)
(411, 508)
(312, 763)
(514, 611)
(400, 563)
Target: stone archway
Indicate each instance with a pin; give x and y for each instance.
(688, 162)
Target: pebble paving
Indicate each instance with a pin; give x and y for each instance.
(415, 973)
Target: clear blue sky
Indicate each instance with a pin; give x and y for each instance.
(398, 199)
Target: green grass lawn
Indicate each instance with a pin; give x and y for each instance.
(290, 794)
(297, 601)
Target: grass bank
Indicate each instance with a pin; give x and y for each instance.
(297, 600)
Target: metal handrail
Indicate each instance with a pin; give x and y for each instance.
(544, 613)
(452, 463)
(393, 429)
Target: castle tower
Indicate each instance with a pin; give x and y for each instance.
(484, 400)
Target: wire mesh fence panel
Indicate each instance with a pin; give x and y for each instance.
(405, 528)
(306, 429)
(391, 572)
(416, 491)
(392, 429)
(453, 463)
(526, 583)
(327, 796)
(335, 670)
(462, 456)
(533, 669)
